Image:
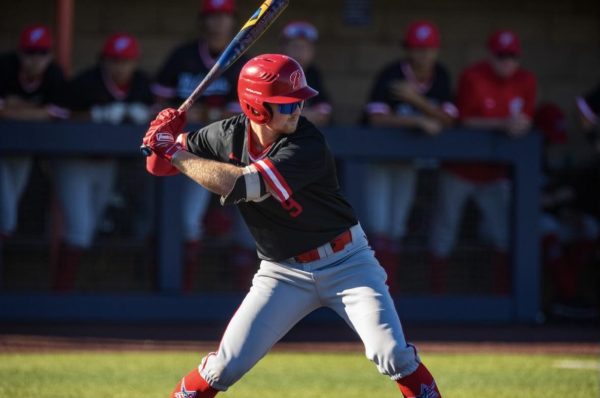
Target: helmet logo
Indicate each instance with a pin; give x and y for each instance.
(423, 33)
(506, 38)
(296, 79)
(36, 35)
(121, 44)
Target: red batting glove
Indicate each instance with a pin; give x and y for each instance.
(160, 137)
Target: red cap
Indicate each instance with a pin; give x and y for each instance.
(35, 37)
(422, 34)
(551, 121)
(215, 6)
(121, 46)
(504, 42)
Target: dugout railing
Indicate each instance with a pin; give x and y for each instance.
(353, 146)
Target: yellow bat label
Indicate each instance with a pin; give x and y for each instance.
(256, 16)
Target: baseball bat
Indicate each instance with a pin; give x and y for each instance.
(248, 34)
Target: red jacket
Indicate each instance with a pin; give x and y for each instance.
(482, 94)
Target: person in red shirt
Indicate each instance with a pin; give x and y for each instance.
(495, 94)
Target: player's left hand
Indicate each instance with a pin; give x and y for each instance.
(164, 129)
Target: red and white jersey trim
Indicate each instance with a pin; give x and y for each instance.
(253, 155)
(274, 179)
(378, 108)
(421, 87)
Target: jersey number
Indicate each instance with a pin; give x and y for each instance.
(292, 207)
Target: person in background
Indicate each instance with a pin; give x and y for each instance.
(31, 88)
(298, 40)
(184, 68)
(569, 234)
(414, 93)
(314, 251)
(496, 94)
(114, 91)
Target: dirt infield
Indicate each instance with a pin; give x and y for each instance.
(45, 344)
(557, 339)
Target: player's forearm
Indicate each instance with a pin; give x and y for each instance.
(434, 111)
(215, 176)
(27, 113)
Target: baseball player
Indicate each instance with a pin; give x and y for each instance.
(413, 92)
(187, 65)
(114, 92)
(298, 41)
(494, 94)
(31, 88)
(276, 167)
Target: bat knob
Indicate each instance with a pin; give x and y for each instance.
(146, 151)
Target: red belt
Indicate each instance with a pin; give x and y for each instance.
(337, 244)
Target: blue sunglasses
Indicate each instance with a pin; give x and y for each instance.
(288, 109)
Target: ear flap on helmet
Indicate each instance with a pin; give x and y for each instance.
(257, 113)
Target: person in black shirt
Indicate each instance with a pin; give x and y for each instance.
(411, 93)
(31, 87)
(298, 41)
(184, 68)
(112, 92)
(276, 167)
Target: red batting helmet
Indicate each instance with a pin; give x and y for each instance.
(272, 78)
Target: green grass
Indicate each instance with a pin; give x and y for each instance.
(292, 375)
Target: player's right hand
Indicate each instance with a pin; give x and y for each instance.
(164, 129)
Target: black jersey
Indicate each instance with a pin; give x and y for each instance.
(437, 91)
(186, 67)
(49, 90)
(92, 87)
(300, 206)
